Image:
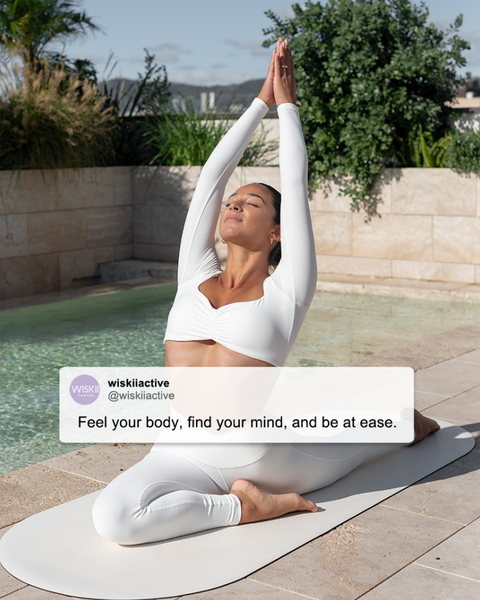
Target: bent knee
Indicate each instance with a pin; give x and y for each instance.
(114, 519)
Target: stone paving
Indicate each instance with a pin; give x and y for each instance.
(421, 543)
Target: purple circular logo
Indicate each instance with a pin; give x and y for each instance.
(84, 389)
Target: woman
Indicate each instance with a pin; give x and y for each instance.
(241, 316)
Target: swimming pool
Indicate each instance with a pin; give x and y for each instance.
(127, 328)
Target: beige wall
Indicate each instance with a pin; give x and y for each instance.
(56, 227)
(430, 229)
(56, 230)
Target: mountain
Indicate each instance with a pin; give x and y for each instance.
(233, 98)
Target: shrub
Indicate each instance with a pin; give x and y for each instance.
(50, 118)
(464, 151)
(189, 138)
(424, 151)
(368, 72)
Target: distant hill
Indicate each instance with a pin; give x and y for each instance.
(232, 98)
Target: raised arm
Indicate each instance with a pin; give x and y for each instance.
(296, 273)
(197, 248)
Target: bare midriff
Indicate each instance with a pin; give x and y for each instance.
(206, 353)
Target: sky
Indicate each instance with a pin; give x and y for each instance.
(213, 42)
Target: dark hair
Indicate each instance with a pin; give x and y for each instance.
(276, 252)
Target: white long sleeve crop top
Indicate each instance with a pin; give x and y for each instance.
(266, 328)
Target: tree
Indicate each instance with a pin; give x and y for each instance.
(30, 26)
(369, 72)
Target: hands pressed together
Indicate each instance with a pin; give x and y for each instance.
(279, 86)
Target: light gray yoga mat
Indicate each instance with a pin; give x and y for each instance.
(59, 550)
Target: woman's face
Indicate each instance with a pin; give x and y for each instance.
(248, 218)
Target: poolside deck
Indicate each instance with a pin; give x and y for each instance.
(422, 542)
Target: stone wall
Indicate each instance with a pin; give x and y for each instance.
(56, 228)
(429, 229)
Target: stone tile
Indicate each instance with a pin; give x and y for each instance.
(26, 275)
(165, 252)
(28, 190)
(123, 252)
(354, 557)
(436, 271)
(164, 186)
(459, 555)
(245, 588)
(378, 267)
(38, 487)
(62, 189)
(404, 237)
(122, 186)
(448, 378)
(478, 196)
(109, 226)
(96, 290)
(101, 462)
(85, 188)
(138, 269)
(33, 593)
(158, 225)
(470, 357)
(421, 583)
(456, 239)
(329, 198)
(82, 263)
(333, 233)
(434, 191)
(383, 186)
(420, 284)
(57, 231)
(451, 493)
(8, 583)
(13, 236)
(348, 278)
(419, 355)
(464, 407)
(471, 289)
(464, 338)
(424, 400)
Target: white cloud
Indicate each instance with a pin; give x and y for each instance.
(254, 47)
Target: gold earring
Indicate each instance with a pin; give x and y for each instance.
(223, 241)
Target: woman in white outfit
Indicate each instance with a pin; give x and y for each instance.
(241, 316)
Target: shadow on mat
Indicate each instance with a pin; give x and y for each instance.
(352, 484)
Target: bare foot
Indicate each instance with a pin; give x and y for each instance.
(260, 506)
(423, 426)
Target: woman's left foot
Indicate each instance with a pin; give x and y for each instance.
(260, 506)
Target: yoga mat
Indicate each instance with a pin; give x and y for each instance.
(59, 550)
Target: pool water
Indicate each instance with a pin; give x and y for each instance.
(127, 329)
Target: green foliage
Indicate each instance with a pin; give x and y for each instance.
(190, 137)
(423, 151)
(51, 119)
(28, 26)
(464, 151)
(368, 73)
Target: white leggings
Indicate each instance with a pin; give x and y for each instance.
(169, 493)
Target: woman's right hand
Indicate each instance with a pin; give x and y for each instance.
(266, 93)
(284, 88)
